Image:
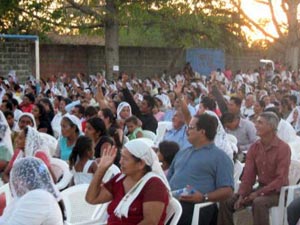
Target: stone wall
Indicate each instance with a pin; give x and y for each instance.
(56, 59)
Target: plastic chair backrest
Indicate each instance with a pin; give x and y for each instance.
(77, 209)
(174, 209)
(61, 170)
(238, 169)
(51, 142)
(294, 172)
(162, 127)
(111, 172)
(149, 134)
(4, 189)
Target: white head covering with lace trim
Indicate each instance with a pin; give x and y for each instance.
(140, 148)
(29, 174)
(6, 134)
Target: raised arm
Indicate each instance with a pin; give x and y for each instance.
(96, 192)
(99, 96)
(128, 97)
(183, 105)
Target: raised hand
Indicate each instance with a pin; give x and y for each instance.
(108, 157)
(178, 88)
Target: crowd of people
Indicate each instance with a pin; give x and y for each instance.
(211, 122)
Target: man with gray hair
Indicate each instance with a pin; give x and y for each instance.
(268, 159)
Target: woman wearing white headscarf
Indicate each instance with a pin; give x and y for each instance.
(123, 112)
(6, 147)
(70, 131)
(26, 119)
(140, 194)
(35, 198)
(28, 143)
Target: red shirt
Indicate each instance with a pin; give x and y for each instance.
(154, 190)
(270, 164)
(26, 108)
(38, 154)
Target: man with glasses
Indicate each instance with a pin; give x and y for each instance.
(204, 167)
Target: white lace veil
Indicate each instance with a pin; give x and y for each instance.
(31, 173)
(120, 107)
(221, 139)
(34, 142)
(6, 138)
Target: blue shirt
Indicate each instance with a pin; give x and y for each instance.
(169, 114)
(179, 136)
(206, 169)
(65, 150)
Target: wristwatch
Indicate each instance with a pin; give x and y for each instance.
(205, 197)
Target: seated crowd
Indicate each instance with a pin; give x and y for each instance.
(165, 135)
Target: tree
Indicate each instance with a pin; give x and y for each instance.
(180, 24)
(286, 40)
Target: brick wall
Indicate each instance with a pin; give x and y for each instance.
(55, 59)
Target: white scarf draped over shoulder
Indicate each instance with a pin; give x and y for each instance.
(140, 148)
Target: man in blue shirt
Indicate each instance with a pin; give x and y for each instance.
(203, 166)
(178, 133)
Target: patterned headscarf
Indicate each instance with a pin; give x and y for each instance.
(29, 174)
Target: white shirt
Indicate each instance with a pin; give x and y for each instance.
(37, 207)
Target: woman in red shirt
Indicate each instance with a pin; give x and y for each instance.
(139, 195)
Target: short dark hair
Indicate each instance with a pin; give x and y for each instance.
(9, 104)
(209, 124)
(293, 98)
(8, 113)
(228, 117)
(80, 109)
(208, 103)
(90, 111)
(236, 100)
(150, 101)
(132, 119)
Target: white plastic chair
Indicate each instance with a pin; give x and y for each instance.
(111, 172)
(238, 169)
(4, 189)
(78, 211)
(162, 127)
(61, 170)
(174, 209)
(149, 134)
(51, 142)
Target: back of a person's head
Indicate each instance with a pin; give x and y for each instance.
(168, 149)
(90, 111)
(208, 103)
(236, 100)
(274, 110)
(228, 117)
(82, 146)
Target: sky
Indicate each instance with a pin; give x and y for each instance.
(259, 11)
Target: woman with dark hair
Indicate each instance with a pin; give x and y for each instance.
(166, 153)
(96, 130)
(70, 131)
(41, 119)
(111, 125)
(48, 107)
(138, 195)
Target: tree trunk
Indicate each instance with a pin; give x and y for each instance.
(292, 50)
(111, 40)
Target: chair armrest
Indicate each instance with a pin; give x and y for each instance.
(197, 209)
(90, 222)
(64, 182)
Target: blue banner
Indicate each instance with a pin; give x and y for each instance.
(204, 61)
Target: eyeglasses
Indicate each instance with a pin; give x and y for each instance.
(191, 127)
